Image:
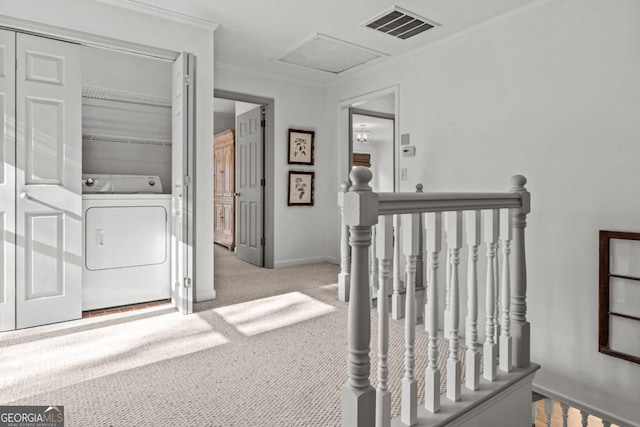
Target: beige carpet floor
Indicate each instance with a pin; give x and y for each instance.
(280, 361)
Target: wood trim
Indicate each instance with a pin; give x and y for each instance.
(604, 300)
(603, 291)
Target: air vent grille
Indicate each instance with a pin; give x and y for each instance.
(400, 23)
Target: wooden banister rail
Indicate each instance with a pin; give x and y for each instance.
(504, 218)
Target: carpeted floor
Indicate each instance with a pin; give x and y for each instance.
(235, 362)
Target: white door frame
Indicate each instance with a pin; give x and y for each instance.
(345, 148)
(268, 158)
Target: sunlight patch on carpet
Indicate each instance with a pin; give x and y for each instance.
(56, 361)
(266, 314)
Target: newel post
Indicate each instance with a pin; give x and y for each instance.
(520, 328)
(344, 278)
(360, 213)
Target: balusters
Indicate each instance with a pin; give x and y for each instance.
(505, 328)
(472, 365)
(384, 254)
(520, 328)
(358, 396)
(447, 286)
(454, 242)
(410, 237)
(565, 413)
(491, 219)
(397, 300)
(433, 222)
(373, 267)
(548, 411)
(420, 279)
(344, 277)
(585, 418)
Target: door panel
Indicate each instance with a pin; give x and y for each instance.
(7, 181)
(250, 190)
(182, 193)
(48, 180)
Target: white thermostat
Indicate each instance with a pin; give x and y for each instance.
(409, 151)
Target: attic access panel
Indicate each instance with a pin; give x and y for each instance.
(324, 53)
(400, 23)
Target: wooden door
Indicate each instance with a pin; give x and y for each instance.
(7, 180)
(48, 181)
(250, 186)
(182, 239)
(224, 189)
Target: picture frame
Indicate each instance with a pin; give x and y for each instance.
(301, 147)
(301, 188)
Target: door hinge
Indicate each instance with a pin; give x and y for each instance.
(187, 180)
(187, 282)
(187, 79)
(263, 123)
(262, 242)
(262, 182)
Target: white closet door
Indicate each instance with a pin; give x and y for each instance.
(181, 175)
(7, 180)
(48, 181)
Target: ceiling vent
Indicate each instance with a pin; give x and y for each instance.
(400, 23)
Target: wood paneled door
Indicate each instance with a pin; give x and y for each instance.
(224, 159)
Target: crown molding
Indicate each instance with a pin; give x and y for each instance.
(161, 12)
(84, 38)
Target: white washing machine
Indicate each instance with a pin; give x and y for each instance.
(126, 241)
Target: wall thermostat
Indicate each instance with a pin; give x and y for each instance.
(409, 151)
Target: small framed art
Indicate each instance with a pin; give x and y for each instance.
(301, 188)
(301, 147)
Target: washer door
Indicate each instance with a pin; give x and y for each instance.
(125, 236)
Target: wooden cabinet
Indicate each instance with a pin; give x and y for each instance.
(224, 159)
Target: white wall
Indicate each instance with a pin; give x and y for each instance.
(223, 121)
(552, 93)
(134, 74)
(104, 20)
(300, 233)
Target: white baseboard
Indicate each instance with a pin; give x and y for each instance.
(205, 295)
(302, 261)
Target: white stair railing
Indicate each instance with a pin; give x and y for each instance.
(362, 405)
(344, 278)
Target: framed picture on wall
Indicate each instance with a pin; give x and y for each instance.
(301, 147)
(301, 188)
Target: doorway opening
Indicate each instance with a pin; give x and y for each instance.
(368, 136)
(243, 176)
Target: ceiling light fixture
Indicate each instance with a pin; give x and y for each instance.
(361, 136)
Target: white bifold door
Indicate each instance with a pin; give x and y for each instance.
(7, 181)
(182, 204)
(47, 153)
(48, 181)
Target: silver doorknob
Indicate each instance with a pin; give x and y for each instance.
(236, 194)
